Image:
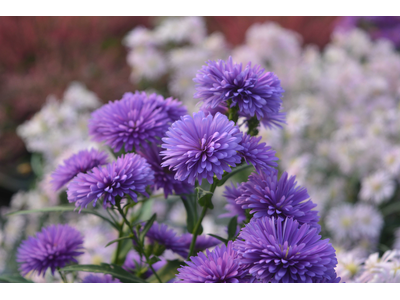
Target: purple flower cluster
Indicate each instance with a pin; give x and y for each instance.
(164, 178)
(80, 162)
(100, 279)
(254, 91)
(202, 146)
(53, 247)
(277, 250)
(135, 120)
(261, 156)
(129, 175)
(265, 195)
(219, 265)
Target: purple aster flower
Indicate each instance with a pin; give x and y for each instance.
(80, 162)
(164, 178)
(100, 279)
(252, 90)
(277, 250)
(265, 195)
(274, 119)
(234, 209)
(133, 260)
(221, 108)
(130, 174)
(219, 265)
(164, 236)
(203, 242)
(53, 247)
(202, 146)
(134, 120)
(261, 156)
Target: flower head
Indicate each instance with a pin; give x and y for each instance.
(377, 188)
(265, 195)
(53, 247)
(163, 235)
(234, 209)
(100, 279)
(164, 178)
(252, 90)
(134, 120)
(277, 250)
(201, 146)
(130, 174)
(80, 162)
(219, 265)
(261, 156)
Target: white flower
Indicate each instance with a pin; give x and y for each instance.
(349, 265)
(378, 187)
(139, 37)
(296, 120)
(341, 223)
(148, 63)
(391, 160)
(80, 98)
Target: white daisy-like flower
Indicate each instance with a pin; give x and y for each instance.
(369, 221)
(377, 188)
(148, 63)
(391, 160)
(349, 265)
(341, 223)
(296, 120)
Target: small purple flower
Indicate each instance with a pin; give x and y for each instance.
(100, 279)
(164, 178)
(255, 92)
(201, 146)
(277, 250)
(164, 236)
(203, 242)
(53, 247)
(265, 195)
(234, 209)
(219, 265)
(134, 120)
(133, 260)
(261, 156)
(130, 174)
(80, 162)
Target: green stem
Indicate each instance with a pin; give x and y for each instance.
(198, 224)
(137, 241)
(121, 233)
(64, 279)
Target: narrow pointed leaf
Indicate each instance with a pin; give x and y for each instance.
(167, 272)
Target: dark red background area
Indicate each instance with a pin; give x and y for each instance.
(42, 55)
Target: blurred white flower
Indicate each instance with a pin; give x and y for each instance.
(377, 188)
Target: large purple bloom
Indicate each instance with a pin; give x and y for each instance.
(261, 156)
(134, 120)
(201, 146)
(100, 279)
(80, 162)
(265, 195)
(234, 209)
(53, 247)
(219, 265)
(277, 250)
(255, 92)
(130, 174)
(164, 178)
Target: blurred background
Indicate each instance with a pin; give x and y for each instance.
(341, 78)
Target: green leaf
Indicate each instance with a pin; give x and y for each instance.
(225, 241)
(14, 279)
(62, 208)
(191, 212)
(113, 270)
(167, 272)
(232, 227)
(205, 201)
(236, 170)
(147, 227)
(120, 239)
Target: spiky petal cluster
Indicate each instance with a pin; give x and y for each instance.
(80, 162)
(265, 195)
(234, 209)
(53, 247)
(134, 120)
(277, 250)
(128, 175)
(164, 178)
(261, 156)
(163, 235)
(255, 92)
(100, 279)
(219, 265)
(201, 146)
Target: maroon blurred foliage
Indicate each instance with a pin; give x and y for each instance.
(42, 55)
(314, 30)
